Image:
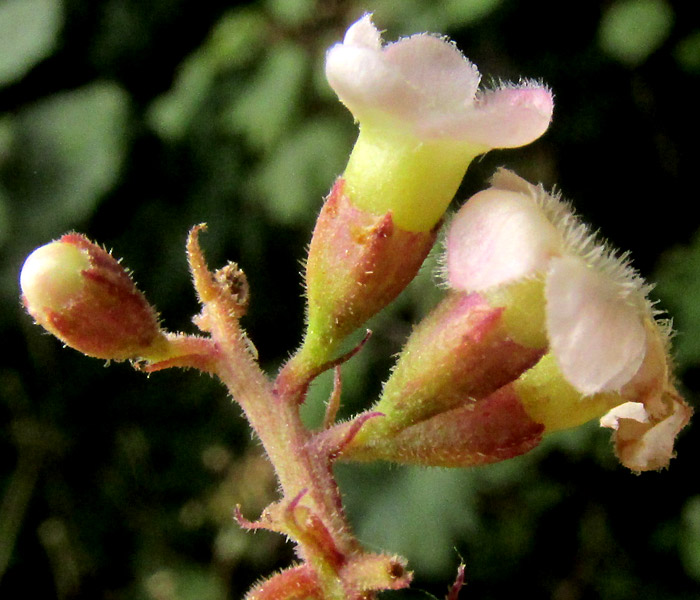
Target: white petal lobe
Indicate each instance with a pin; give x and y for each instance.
(499, 237)
(627, 410)
(425, 86)
(598, 338)
(364, 34)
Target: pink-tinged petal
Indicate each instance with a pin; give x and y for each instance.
(498, 237)
(363, 34)
(597, 337)
(424, 84)
(362, 80)
(410, 81)
(441, 76)
(507, 117)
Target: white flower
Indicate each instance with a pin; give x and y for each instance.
(597, 314)
(425, 85)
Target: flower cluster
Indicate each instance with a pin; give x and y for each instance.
(542, 326)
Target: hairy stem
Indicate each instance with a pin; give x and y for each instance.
(310, 511)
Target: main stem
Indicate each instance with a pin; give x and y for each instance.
(304, 473)
(310, 512)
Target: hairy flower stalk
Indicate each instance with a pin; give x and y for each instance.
(310, 511)
(422, 120)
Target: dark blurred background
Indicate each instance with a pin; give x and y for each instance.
(131, 121)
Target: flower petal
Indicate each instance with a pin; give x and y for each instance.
(419, 77)
(363, 80)
(363, 34)
(424, 84)
(435, 71)
(597, 337)
(507, 117)
(357, 72)
(628, 410)
(498, 237)
(408, 80)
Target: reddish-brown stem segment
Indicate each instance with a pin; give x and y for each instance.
(310, 511)
(275, 418)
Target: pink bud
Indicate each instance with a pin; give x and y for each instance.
(81, 294)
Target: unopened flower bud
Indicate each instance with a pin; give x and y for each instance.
(81, 294)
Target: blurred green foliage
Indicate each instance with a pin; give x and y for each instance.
(679, 285)
(631, 30)
(28, 33)
(131, 121)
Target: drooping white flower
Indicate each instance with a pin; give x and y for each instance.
(608, 355)
(424, 85)
(596, 306)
